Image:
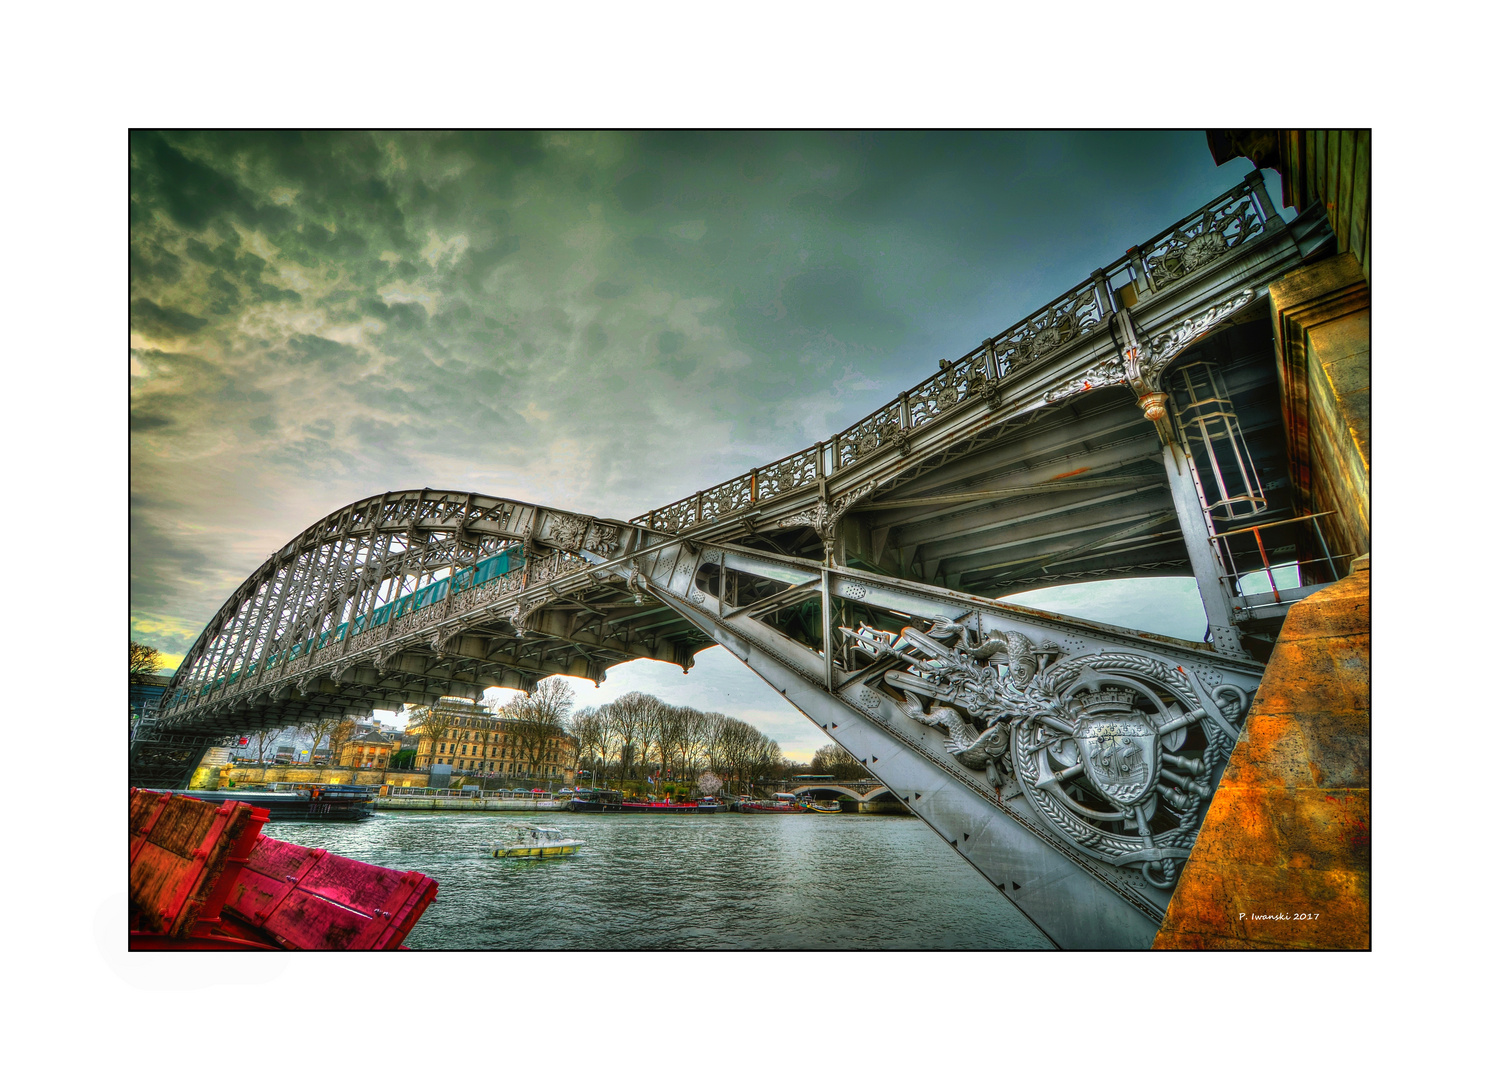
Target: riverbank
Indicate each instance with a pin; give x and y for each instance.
(456, 803)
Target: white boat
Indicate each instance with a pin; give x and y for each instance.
(535, 842)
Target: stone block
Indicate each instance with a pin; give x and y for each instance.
(1196, 942)
(1276, 753)
(1340, 900)
(1323, 673)
(1338, 747)
(1288, 830)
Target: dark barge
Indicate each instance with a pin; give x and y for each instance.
(597, 802)
(303, 802)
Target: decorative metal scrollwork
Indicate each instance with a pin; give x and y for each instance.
(1115, 750)
(602, 539)
(1200, 240)
(1059, 324)
(1169, 344)
(727, 498)
(870, 434)
(568, 530)
(824, 516)
(1110, 372)
(788, 474)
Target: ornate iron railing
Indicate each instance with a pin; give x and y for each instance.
(1240, 215)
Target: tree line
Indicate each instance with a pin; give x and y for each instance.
(637, 737)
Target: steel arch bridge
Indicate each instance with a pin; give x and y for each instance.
(859, 577)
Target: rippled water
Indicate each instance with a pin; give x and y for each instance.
(720, 881)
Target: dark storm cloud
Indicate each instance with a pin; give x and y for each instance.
(166, 322)
(601, 321)
(190, 191)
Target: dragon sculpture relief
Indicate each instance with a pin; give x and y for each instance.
(1115, 750)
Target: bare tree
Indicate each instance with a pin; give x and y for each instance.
(633, 719)
(767, 760)
(341, 732)
(739, 743)
(317, 730)
(536, 720)
(144, 661)
(833, 760)
(588, 730)
(434, 722)
(264, 740)
(712, 741)
(673, 738)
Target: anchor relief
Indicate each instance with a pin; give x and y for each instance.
(1116, 750)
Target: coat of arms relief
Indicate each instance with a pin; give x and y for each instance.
(1116, 750)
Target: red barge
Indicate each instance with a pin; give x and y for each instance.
(203, 877)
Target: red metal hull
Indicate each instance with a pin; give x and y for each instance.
(202, 877)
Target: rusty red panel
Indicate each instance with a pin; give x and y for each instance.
(305, 898)
(180, 858)
(144, 941)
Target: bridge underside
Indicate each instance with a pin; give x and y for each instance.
(1073, 491)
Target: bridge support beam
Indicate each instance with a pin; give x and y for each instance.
(1208, 569)
(998, 799)
(1074, 909)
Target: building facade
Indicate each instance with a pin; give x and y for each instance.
(473, 739)
(371, 750)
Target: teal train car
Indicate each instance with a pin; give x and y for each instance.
(470, 577)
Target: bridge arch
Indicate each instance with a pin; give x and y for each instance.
(405, 597)
(854, 793)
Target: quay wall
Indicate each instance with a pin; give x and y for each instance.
(418, 802)
(213, 777)
(1288, 832)
(883, 806)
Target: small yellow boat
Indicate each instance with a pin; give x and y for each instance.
(536, 842)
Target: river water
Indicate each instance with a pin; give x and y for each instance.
(660, 881)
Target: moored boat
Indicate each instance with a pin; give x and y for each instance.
(783, 803)
(595, 802)
(295, 802)
(535, 842)
(666, 806)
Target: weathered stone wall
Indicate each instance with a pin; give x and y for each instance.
(1322, 333)
(305, 774)
(1288, 832)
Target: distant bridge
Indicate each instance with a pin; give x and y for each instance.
(843, 790)
(1132, 427)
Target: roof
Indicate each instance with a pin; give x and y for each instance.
(371, 737)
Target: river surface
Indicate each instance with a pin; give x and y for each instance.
(709, 881)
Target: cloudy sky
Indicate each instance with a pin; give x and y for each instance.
(596, 321)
